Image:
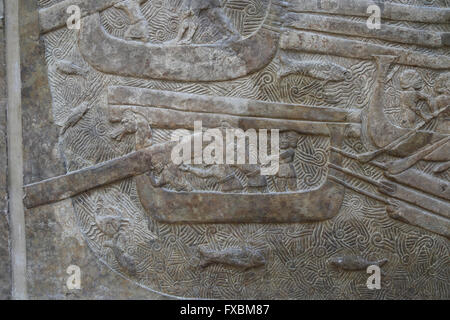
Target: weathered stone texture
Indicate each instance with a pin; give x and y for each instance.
(5, 262)
(53, 240)
(54, 243)
(42, 159)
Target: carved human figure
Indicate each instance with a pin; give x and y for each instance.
(108, 221)
(442, 101)
(437, 150)
(251, 178)
(414, 144)
(165, 173)
(134, 123)
(439, 103)
(412, 84)
(129, 122)
(286, 176)
(254, 180)
(224, 175)
(191, 10)
(138, 29)
(187, 28)
(125, 261)
(113, 227)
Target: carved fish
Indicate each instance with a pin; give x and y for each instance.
(315, 69)
(75, 116)
(354, 263)
(245, 258)
(70, 68)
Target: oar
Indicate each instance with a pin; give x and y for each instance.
(75, 182)
(329, 24)
(442, 167)
(401, 165)
(389, 11)
(403, 209)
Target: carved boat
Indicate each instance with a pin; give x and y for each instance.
(204, 62)
(213, 207)
(380, 131)
(172, 110)
(416, 197)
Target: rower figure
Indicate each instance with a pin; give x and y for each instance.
(441, 101)
(437, 150)
(412, 84)
(190, 12)
(410, 144)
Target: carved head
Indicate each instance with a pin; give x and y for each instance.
(129, 122)
(289, 139)
(158, 162)
(411, 79)
(442, 84)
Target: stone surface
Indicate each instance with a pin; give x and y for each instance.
(53, 240)
(5, 262)
(54, 243)
(364, 157)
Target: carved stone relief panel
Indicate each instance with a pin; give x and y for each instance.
(362, 123)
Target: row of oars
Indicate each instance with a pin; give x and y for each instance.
(426, 206)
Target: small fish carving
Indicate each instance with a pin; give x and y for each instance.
(75, 116)
(245, 258)
(354, 263)
(70, 68)
(315, 69)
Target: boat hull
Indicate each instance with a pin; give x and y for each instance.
(215, 207)
(200, 63)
